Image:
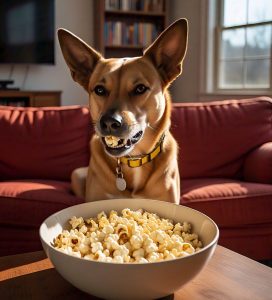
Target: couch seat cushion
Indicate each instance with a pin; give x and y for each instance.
(29, 202)
(228, 202)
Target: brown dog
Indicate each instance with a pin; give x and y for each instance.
(133, 153)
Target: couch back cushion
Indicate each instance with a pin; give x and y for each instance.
(215, 137)
(45, 143)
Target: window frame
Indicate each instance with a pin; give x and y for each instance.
(218, 30)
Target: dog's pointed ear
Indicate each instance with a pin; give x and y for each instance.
(79, 56)
(168, 50)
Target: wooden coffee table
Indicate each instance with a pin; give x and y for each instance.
(227, 276)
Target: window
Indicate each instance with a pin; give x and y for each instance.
(243, 60)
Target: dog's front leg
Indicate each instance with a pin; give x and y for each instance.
(78, 180)
(164, 188)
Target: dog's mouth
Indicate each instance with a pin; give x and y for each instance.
(117, 146)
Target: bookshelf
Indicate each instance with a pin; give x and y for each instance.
(30, 98)
(125, 27)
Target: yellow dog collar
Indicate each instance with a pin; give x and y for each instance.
(134, 162)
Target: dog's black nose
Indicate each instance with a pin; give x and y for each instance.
(112, 123)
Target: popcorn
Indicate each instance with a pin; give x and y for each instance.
(106, 252)
(93, 237)
(100, 256)
(188, 248)
(96, 247)
(111, 242)
(121, 228)
(169, 256)
(93, 226)
(141, 260)
(76, 222)
(132, 237)
(89, 257)
(152, 247)
(121, 251)
(114, 141)
(154, 256)
(118, 259)
(101, 215)
(136, 241)
(83, 229)
(108, 229)
(103, 222)
(138, 253)
(111, 140)
(84, 249)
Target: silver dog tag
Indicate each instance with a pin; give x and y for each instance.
(121, 184)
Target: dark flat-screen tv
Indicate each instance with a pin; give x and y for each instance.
(27, 29)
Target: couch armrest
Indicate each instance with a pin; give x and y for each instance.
(258, 164)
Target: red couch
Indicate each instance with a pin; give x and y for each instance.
(225, 163)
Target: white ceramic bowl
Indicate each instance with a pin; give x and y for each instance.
(130, 281)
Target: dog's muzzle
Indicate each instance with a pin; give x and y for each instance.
(117, 136)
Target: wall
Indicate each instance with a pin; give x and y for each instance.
(187, 86)
(76, 16)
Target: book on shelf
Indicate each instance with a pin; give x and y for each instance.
(15, 103)
(134, 5)
(135, 34)
(3, 102)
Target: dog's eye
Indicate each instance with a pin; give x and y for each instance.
(100, 90)
(140, 89)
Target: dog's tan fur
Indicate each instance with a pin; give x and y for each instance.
(157, 68)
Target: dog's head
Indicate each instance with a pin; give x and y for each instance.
(128, 96)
